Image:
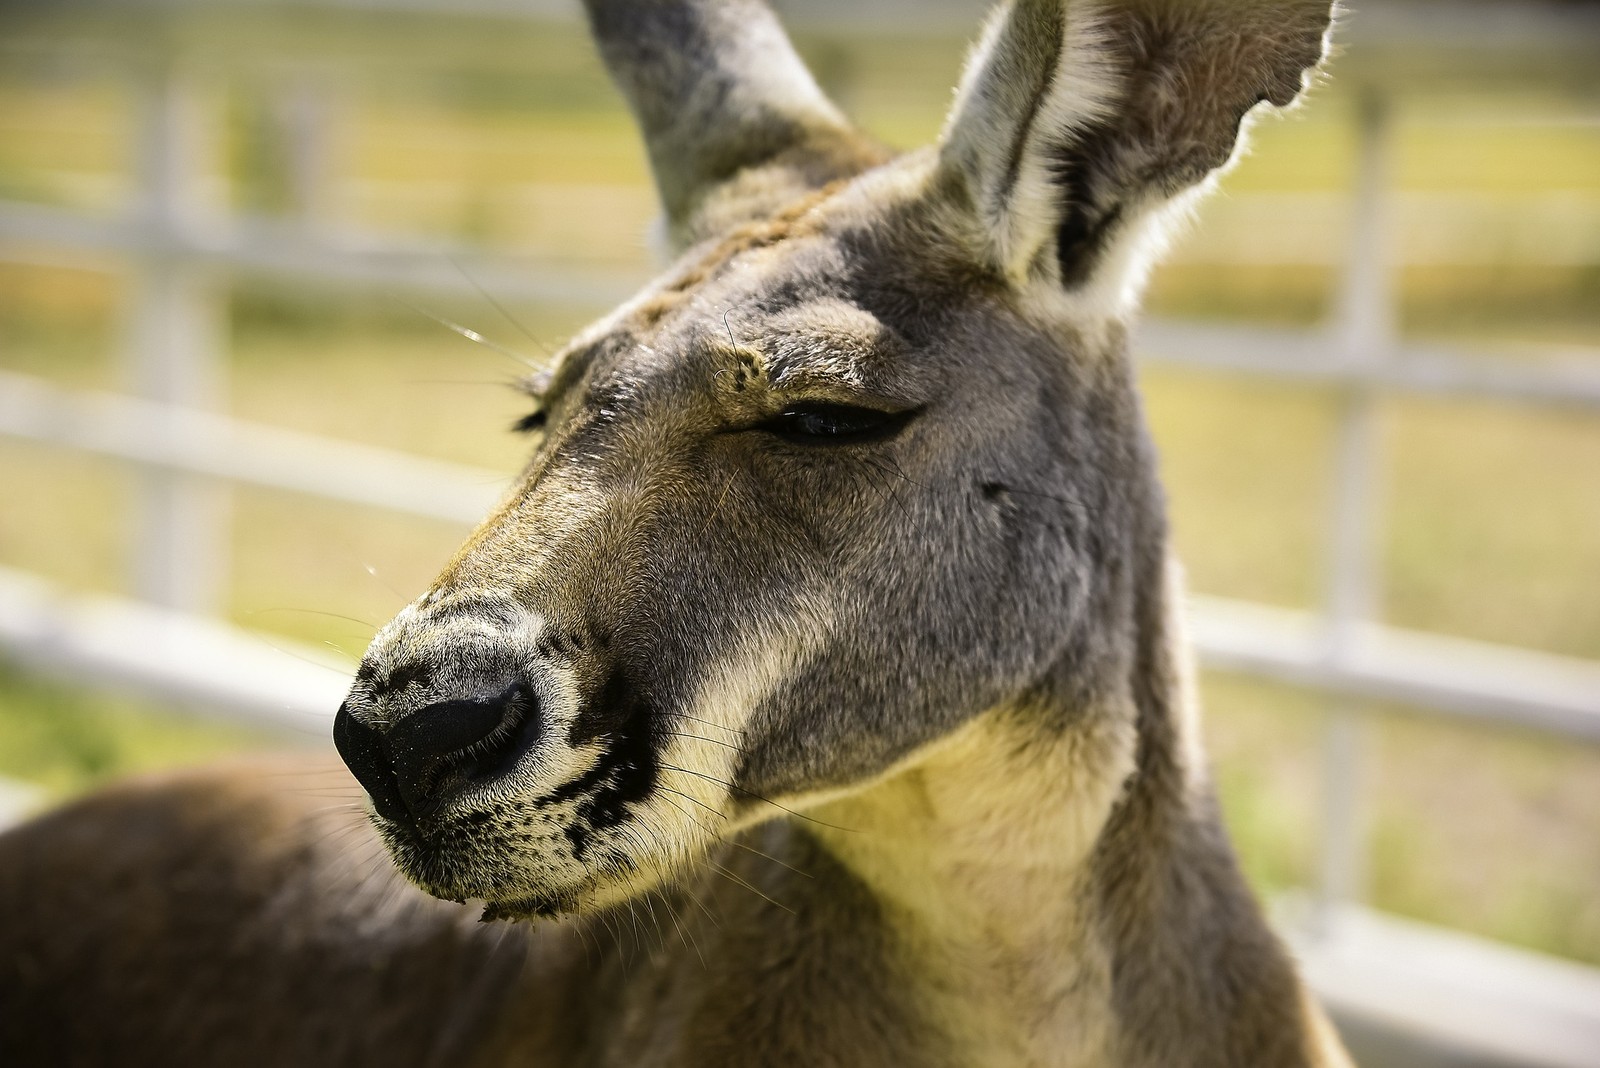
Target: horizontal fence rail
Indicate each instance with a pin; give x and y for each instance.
(1408, 995)
(188, 440)
(202, 664)
(35, 234)
(1563, 376)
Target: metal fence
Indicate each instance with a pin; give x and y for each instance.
(182, 451)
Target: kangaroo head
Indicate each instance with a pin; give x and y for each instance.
(864, 463)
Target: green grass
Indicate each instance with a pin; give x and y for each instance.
(1487, 830)
(68, 740)
(1522, 563)
(1489, 513)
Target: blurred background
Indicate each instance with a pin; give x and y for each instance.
(268, 268)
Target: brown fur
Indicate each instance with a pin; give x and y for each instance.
(246, 916)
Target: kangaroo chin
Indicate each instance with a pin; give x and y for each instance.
(819, 685)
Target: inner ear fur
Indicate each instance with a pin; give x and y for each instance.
(1079, 121)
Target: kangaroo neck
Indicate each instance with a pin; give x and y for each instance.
(980, 857)
(1045, 886)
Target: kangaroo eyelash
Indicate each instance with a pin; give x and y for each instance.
(532, 422)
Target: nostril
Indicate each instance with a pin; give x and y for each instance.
(446, 745)
(362, 749)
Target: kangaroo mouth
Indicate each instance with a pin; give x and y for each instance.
(548, 907)
(536, 849)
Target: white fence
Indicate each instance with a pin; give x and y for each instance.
(1449, 1006)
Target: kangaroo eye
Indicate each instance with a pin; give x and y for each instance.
(820, 423)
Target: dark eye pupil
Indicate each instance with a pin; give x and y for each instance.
(836, 423)
(829, 424)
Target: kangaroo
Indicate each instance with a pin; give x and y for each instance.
(818, 696)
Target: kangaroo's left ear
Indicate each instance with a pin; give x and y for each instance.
(1079, 121)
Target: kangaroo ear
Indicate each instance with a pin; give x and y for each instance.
(734, 123)
(1079, 121)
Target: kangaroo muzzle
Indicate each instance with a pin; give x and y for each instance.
(446, 700)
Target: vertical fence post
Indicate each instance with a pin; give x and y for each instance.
(1366, 332)
(175, 338)
(300, 110)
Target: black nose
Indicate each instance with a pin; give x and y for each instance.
(427, 755)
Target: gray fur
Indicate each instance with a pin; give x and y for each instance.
(723, 100)
(855, 754)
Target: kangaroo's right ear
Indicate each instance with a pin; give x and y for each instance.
(734, 123)
(1079, 121)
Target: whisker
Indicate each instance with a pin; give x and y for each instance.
(650, 910)
(616, 938)
(703, 907)
(633, 920)
(372, 572)
(919, 520)
(703, 738)
(712, 723)
(590, 950)
(886, 491)
(472, 335)
(737, 844)
(311, 612)
(734, 842)
(752, 794)
(750, 887)
(265, 640)
(696, 800)
(672, 914)
(1038, 493)
(497, 384)
(497, 306)
(726, 486)
(894, 466)
(690, 895)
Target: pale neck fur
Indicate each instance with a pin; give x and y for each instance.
(979, 852)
